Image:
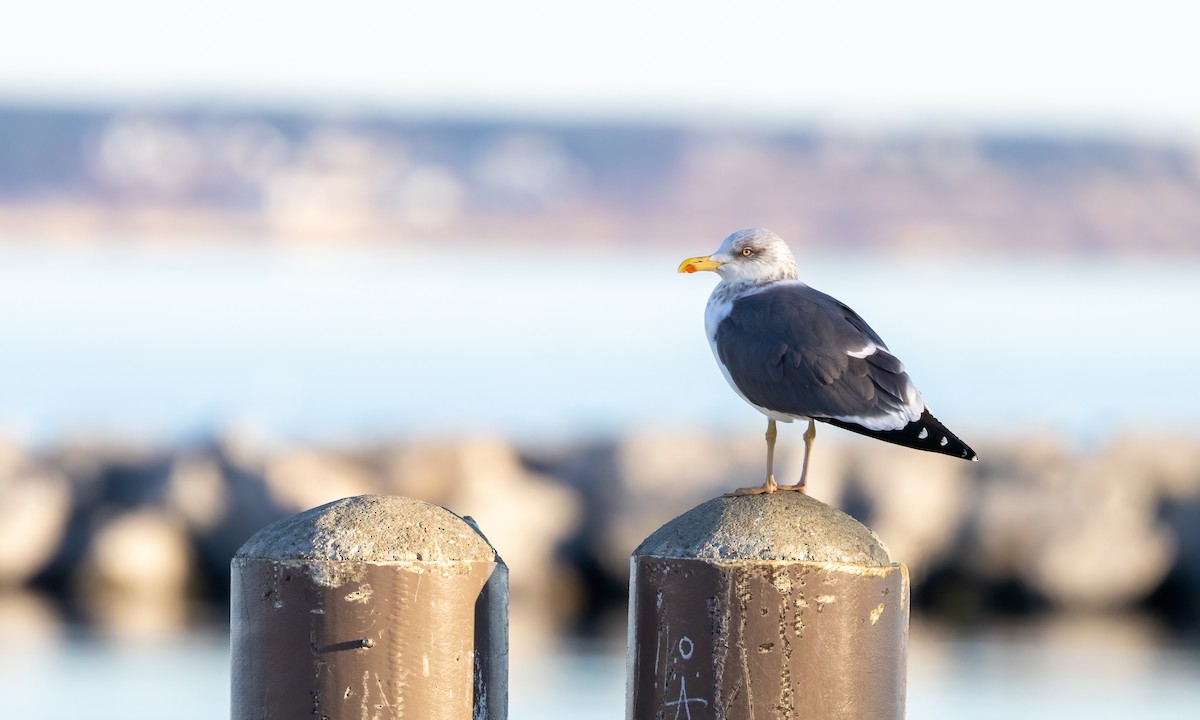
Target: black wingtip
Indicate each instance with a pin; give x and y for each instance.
(925, 433)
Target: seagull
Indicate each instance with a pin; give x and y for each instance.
(795, 353)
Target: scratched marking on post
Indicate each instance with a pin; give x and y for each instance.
(683, 704)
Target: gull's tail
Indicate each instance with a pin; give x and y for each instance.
(924, 433)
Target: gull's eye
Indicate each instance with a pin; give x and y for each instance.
(747, 252)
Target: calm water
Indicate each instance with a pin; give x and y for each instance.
(1105, 670)
(540, 344)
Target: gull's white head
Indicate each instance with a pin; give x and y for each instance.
(754, 255)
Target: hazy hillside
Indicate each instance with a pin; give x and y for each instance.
(191, 175)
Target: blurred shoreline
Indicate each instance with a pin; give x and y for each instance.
(179, 175)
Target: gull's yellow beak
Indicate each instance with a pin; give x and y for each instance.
(696, 264)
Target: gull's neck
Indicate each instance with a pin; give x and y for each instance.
(726, 290)
(729, 289)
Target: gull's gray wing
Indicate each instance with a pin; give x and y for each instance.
(796, 350)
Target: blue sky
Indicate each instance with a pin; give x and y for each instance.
(1114, 66)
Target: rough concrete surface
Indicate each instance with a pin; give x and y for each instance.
(371, 528)
(784, 526)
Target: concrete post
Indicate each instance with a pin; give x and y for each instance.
(370, 607)
(766, 606)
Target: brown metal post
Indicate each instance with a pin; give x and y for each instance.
(766, 606)
(370, 607)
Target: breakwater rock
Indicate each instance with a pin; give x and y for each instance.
(1034, 526)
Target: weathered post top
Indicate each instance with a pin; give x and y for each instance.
(371, 528)
(782, 526)
(766, 606)
(369, 606)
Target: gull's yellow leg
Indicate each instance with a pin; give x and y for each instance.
(809, 435)
(769, 486)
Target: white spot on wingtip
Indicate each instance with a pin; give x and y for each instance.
(923, 434)
(868, 350)
(943, 442)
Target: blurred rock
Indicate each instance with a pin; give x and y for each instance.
(1084, 533)
(301, 479)
(527, 516)
(123, 474)
(35, 505)
(196, 492)
(1172, 464)
(142, 554)
(1167, 464)
(136, 532)
(28, 619)
(1016, 495)
(917, 502)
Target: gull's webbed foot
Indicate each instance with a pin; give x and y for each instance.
(766, 488)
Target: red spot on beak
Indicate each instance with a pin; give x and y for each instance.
(689, 268)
